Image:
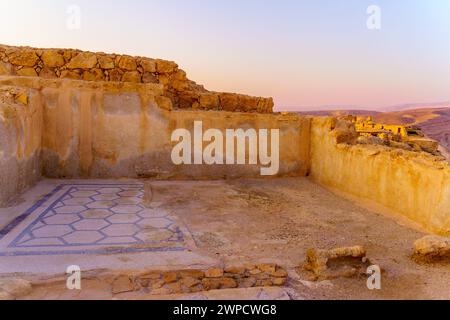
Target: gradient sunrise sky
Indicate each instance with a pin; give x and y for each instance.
(306, 54)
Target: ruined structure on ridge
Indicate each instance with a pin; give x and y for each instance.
(73, 114)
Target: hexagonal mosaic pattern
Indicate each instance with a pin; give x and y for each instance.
(95, 216)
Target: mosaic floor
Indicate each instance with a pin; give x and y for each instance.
(87, 218)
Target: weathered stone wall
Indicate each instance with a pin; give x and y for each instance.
(414, 184)
(20, 140)
(115, 130)
(89, 66)
(186, 281)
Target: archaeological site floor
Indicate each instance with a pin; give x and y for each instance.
(104, 225)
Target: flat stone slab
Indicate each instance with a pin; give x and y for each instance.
(92, 218)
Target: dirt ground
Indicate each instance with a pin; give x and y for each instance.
(277, 221)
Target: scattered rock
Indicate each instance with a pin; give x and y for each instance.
(432, 248)
(149, 78)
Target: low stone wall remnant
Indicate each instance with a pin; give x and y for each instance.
(414, 184)
(97, 67)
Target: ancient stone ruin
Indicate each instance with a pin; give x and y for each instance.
(97, 67)
(86, 172)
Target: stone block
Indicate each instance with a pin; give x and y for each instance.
(214, 273)
(23, 57)
(432, 248)
(27, 72)
(122, 284)
(126, 63)
(83, 60)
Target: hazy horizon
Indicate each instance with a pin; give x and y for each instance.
(308, 54)
(403, 106)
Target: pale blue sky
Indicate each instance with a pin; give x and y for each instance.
(303, 53)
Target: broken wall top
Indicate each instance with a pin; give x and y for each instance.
(89, 66)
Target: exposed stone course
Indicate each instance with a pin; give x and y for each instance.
(89, 66)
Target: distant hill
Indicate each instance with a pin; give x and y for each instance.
(434, 122)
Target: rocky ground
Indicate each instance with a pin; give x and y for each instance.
(234, 223)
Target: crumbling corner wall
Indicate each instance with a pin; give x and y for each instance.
(416, 185)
